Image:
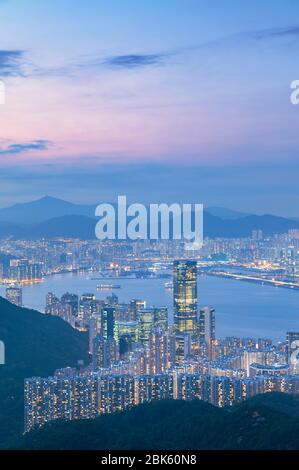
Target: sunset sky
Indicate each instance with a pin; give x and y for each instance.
(161, 100)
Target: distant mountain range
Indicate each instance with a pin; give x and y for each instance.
(269, 422)
(51, 217)
(224, 213)
(35, 345)
(46, 208)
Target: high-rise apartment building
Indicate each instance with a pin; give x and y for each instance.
(14, 295)
(206, 325)
(293, 350)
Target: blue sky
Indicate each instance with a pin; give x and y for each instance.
(162, 100)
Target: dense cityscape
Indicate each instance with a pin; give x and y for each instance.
(149, 232)
(139, 352)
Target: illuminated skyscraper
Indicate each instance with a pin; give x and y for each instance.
(126, 328)
(23, 270)
(161, 317)
(51, 300)
(88, 306)
(14, 295)
(182, 347)
(207, 324)
(146, 318)
(105, 352)
(293, 350)
(135, 305)
(108, 322)
(185, 296)
(72, 300)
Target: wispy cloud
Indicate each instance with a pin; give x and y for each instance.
(19, 148)
(11, 63)
(99, 63)
(292, 31)
(133, 61)
(146, 60)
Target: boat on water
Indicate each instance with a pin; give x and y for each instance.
(108, 286)
(168, 285)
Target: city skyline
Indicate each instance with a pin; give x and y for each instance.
(162, 337)
(196, 104)
(149, 230)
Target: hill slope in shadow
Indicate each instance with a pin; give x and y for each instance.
(35, 345)
(268, 421)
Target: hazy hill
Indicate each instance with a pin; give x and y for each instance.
(69, 226)
(224, 213)
(42, 209)
(50, 217)
(242, 227)
(265, 422)
(35, 345)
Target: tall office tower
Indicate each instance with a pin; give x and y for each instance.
(293, 350)
(51, 302)
(112, 300)
(105, 352)
(19, 269)
(185, 296)
(14, 295)
(73, 301)
(161, 317)
(51, 299)
(23, 270)
(146, 318)
(88, 306)
(35, 271)
(135, 305)
(95, 326)
(122, 328)
(206, 325)
(108, 322)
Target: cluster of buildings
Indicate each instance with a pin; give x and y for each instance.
(71, 396)
(278, 252)
(30, 260)
(139, 354)
(22, 271)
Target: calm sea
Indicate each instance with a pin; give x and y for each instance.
(242, 309)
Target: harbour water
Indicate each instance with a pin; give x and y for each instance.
(242, 309)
